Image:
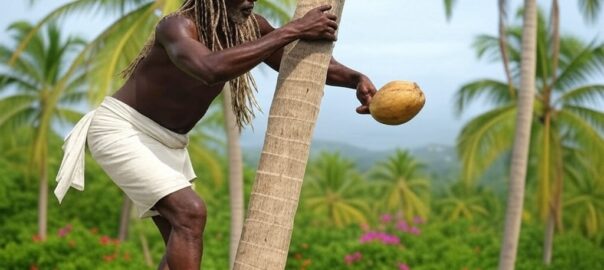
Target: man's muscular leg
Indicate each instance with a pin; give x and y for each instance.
(164, 228)
(186, 213)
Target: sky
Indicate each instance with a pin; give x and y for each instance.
(386, 40)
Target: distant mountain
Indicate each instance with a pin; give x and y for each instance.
(440, 160)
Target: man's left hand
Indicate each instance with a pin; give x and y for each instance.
(365, 91)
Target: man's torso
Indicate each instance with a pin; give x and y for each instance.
(161, 91)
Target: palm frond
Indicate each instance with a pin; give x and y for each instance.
(495, 92)
(68, 115)
(584, 134)
(588, 63)
(13, 106)
(95, 7)
(23, 67)
(449, 8)
(590, 9)
(279, 12)
(21, 83)
(484, 139)
(199, 150)
(116, 47)
(594, 118)
(586, 94)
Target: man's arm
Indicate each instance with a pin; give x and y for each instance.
(178, 36)
(337, 74)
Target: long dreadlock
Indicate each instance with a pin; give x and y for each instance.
(210, 17)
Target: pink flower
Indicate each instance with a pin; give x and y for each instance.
(385, 238)
(352, 258)
(386, 218)
(415, 230)
(65, 230)
(418, 220)
(402, 226)
(402, 266)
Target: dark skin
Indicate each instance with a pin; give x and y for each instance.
(175, 84)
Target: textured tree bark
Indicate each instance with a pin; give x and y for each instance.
(122, 234)
(520, 149)
(43, 200)
(235, 174)
(268, 227)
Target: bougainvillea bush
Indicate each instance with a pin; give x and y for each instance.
(398, 244)
(71, 247)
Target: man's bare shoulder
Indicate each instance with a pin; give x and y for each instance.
(174, 28)
(263, 24)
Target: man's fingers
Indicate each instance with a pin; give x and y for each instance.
(331, 16)
(324, 8)
(333, 25)
(363, 109)
(368, 99)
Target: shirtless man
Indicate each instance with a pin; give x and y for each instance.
(172, 86)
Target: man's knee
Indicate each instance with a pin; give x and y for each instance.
(191, 218)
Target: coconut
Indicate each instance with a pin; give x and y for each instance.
(397, 102)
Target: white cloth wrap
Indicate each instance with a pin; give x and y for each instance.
(146, 160)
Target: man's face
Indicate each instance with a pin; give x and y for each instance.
(239, 10)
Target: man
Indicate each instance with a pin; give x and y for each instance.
(138, 136)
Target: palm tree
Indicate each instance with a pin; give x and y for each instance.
(401, 180)
(522, 136)
(584, 199)
(483, 139)
(45, 85)
(268, 226)
(590, 10)
(502, 14)
(561, 110)
(334, 190)
(466, 202)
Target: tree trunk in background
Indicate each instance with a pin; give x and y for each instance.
(43, 200)
(122, 234)
(146, 251)
(268, 227)
(548, 240)
(520, 150)
(503, 50)
(235, 174)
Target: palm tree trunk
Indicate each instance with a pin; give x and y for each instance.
(548, 238)
(503, 46)
(146, 252)
(235, 174)
(43, 200)
(555, 22)
(122, 234)
(275, 195)
(521, 140)
(548, 242)
(554, 220)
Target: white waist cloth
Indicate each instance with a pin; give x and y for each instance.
(146, 160)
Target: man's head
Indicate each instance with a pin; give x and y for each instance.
(239, 11)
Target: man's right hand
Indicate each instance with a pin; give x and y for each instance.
(317, 24)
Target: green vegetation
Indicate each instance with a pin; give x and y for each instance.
(399, 209)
